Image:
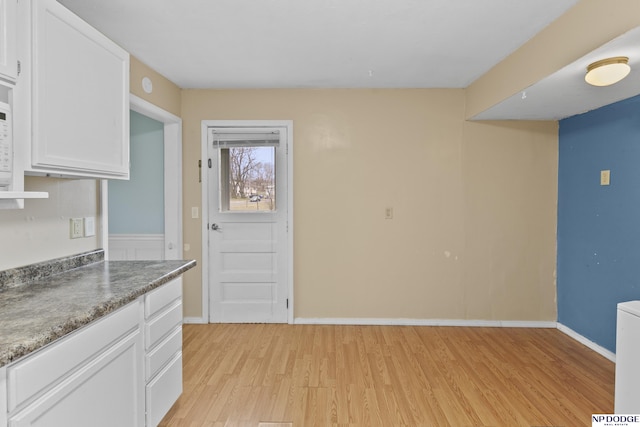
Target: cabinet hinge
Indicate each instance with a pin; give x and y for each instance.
(19, 67)
(287, 302)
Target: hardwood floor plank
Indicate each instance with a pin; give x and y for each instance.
(324, 375)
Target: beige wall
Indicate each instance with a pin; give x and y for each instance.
(473, 234)
(582, 29)
(40, 231)
(165, 94)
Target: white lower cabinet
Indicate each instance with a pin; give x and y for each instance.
(163, 346)
(106, 392)
(123, 370)
(627, 398)
(163, 391)
(3, 396)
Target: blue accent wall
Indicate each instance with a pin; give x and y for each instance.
(598, 226)
(137, 206)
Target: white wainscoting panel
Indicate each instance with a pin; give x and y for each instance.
(134, 247)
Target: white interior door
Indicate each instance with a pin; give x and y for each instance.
(247, 224)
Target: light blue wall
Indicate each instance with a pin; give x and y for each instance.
(598, 226)
(137, 206)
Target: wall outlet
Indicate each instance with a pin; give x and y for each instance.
(388, 213)
(76, 228)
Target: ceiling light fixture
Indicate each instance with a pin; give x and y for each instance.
(607, 71)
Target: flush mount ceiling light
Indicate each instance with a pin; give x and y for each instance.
(607, 71)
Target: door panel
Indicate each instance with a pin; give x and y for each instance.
(248, 244)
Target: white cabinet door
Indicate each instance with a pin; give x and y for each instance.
(3, 396)
(106, 393)
(79, 100)
(8, 63)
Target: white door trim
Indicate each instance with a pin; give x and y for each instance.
(288, 124)
(172, 179)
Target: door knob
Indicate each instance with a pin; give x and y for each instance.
(215, 227)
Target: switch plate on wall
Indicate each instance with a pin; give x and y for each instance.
(89, 226)
(605, 177)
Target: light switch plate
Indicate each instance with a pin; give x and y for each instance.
(605, 177)
(89, 226)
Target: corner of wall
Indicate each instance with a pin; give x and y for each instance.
(165, 94)
(550, 50)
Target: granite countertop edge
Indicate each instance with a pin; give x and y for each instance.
(80, 318)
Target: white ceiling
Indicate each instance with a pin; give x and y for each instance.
(320, 43)
(350, 44)
(565, 93)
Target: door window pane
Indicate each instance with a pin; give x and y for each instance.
(247, 178)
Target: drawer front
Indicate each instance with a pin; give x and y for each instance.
(161, 325)
(163, 353)
(48, 366)
(161, 297)
(163, 391)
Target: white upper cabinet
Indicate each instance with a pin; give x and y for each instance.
(8, 63)
(72, 95)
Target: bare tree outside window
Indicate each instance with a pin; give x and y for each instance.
(252, 178)
(242, 168)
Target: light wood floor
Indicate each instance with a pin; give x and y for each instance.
(240, 375)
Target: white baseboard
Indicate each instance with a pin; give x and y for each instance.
(194, 320)
(443, 322)
(425, 322)
(587, 342)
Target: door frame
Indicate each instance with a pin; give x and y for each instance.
(206, 124)
(172, 179)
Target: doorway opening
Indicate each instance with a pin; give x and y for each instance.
(168, 243)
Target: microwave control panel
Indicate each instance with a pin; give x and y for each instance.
(6, 147)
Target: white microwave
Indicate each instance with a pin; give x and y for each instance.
(6, 147)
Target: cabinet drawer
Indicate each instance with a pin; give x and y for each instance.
(163, 353)
(163, 324)
(163, 391)
(161, 297)
(44, 368)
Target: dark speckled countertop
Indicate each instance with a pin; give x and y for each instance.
(37, 308)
